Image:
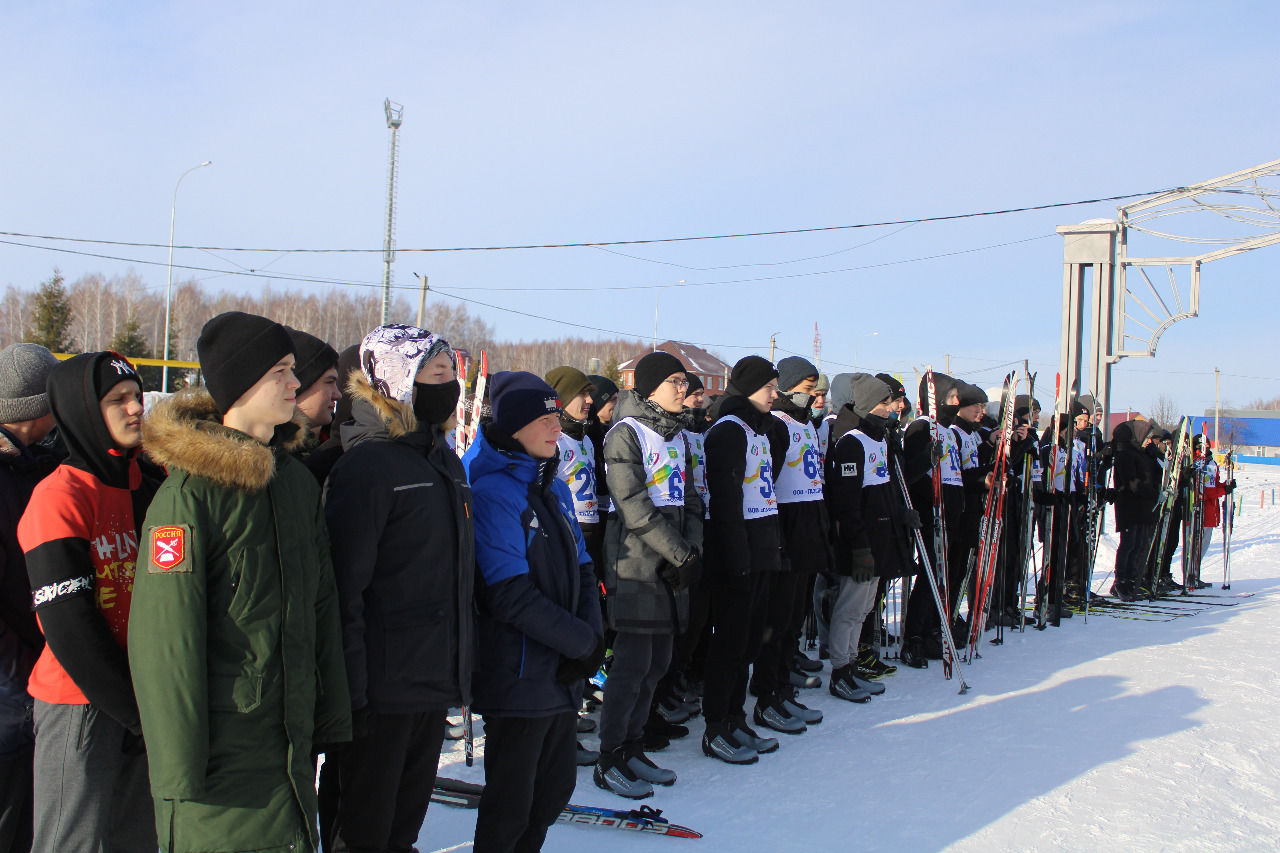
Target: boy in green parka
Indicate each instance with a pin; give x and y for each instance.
(235, 641)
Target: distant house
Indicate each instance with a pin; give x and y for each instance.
(1254, 434)
(713, 372)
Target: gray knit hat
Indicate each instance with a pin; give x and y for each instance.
(24, 372)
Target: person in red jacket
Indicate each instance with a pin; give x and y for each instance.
(1214, 491)
(80, 535)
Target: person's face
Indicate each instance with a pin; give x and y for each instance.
(539, 436)
(122, 413)
(696, 399)
(972, 412)
(819, 400)
(898, 404)
(669, 395)
(578, 406)
(321, 396)
(1097, 417)
(605, 415)
(805, 387)
(952, 399)
(272, 398)
(1082, 421)
(1035, 415)
(882, 409)
(437, 370)
(763, 398)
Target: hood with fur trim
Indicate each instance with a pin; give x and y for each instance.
(185, 432)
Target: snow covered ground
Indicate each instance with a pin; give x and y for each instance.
(1116, 735)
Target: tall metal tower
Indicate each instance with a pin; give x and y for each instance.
(817, 346)
(395, 115)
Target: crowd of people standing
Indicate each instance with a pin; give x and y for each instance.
(295, 559)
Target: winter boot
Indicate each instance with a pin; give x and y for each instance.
(744, 734)
(875, 688)
(771, 714)
(869, 665)
(844, 687)
(586, 725)
(672, 710)
(586, 757)
(612, 773)
(644, 769)
(913, 653)
(804, 679)
(804, 663)
(719, 742)
(793, 706)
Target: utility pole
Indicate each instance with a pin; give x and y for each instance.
(817, 347)
(947, 357)
(422, 299)
(1217, 411)
(395, 116)
(771, 345)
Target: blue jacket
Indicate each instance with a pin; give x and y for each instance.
(536, 591)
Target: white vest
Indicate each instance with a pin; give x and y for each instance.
(578, 472)
(663, 461)
(950, 463)
(801, 477)
(758, 497)
(698, 467)
(875, 459)
(969, 443)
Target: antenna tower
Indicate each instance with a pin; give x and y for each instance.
(395, 113)
(817, 346)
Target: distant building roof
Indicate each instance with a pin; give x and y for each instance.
(696, 359)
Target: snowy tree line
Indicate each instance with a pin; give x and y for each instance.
(96, 312)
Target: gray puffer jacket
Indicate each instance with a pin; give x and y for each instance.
(640, 536)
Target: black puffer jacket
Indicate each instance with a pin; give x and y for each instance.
(865, 514)
(399, 513)
(1137, 474)
(737, 545)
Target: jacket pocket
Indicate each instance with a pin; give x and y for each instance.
(240, 693)
(419, 645)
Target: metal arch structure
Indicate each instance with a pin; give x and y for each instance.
(1130, 308)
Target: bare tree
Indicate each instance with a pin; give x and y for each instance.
(1165, 411)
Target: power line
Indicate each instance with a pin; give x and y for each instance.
(636, 242)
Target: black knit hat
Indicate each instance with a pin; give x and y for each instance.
(518, 399)
(653, 369)
(895, 387)
(236, 350)
(750, 374)
(314, 357)
(568, 382)
(793, 370)
(968, 394)
(695, 384)
(603, 389)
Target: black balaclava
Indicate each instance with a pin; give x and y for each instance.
(433, 404)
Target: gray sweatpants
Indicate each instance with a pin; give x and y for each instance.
(853, 602)
(639, 662)
(90, 795)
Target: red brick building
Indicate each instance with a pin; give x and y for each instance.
(713, 372)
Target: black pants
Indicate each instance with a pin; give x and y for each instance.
(386, 778)
(1131, 556)
(687, 644)
(781, 596)
(15, 803)
(639, 661)
(737, 623)
(530, 769)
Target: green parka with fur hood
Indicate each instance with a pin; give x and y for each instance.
(234, 636)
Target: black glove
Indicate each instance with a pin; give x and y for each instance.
(911, 519)
(684, 575)
(133, 744)
(862, 565)
(1229, 487)
(937, 452)
(580, 669)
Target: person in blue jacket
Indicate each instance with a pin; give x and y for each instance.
(538, 627)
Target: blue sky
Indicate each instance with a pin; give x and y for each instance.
(552, 123)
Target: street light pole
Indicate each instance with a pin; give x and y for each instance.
(168, 291)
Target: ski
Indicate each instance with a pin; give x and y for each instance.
(466, 795)
(1042, 588)
(949, 653)
(991, 526)
(1026, 551)
(460, 413)
(1165, 501)
(477, 404)
(1091, 525)
(1228, 522)
(939, 519)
